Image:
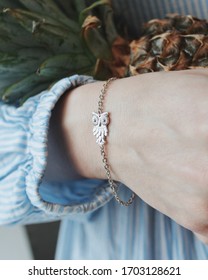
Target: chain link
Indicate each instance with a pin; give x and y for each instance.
(112, 184)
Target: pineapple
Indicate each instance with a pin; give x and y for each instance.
(174, 43)
(43, 41)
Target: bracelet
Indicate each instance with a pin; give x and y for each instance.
(100, 121)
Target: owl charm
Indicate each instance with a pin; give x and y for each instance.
(100, 130)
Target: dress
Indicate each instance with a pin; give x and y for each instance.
(94, 226)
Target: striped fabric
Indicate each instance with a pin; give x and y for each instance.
(23, 151)
(135, 12)
(95, 227)
(136, 232)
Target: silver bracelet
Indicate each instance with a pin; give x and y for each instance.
(100, 121)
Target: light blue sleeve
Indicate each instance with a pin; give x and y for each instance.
(24, 197)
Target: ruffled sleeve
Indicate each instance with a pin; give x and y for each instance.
(24, 198)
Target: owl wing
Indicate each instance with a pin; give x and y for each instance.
(100, 133)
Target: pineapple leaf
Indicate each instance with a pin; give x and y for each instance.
(23, 60)
(48, 30)
(61, 65)
(95, 39)
(41, 42)
(49, 7)
(108, 23)
(84, 13)
(10, 4)
(21, 88)
(68, 7)
(39, 88)
(79, 6)
(31, 20)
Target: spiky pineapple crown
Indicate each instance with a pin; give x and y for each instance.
(44, 40)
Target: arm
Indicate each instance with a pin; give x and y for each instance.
(157, 144)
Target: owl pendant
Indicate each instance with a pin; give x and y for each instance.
(100, 130)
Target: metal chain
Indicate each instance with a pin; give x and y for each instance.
(112, 184)
(102, 94)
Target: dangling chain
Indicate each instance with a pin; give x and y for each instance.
(100, 121)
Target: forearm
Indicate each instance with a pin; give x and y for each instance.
(76, 109)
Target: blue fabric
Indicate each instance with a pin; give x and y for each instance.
(136, 232)
(24, 198)
(134, 13)
(94, 226)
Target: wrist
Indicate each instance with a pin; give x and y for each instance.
(77, 107)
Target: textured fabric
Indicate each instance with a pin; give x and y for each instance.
(134, 13)
(136, 232)
(94, 227)
(23, 152)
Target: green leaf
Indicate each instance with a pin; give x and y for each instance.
(10, 4)
(97, 44)
(47, 30)
(108, 23)
(14, 68)
(84, 13)
(80, 5)
(61, 65)
(68, 8)
(27, 19)
(38, 89)
(24, 60)
(6, 45)
(21, 88)
(49, 7)
(15, 32)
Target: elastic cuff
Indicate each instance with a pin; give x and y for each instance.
(37, 149)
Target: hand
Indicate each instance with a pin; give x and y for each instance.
(162, 125)
(157, 143)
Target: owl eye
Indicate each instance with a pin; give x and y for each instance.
(95, 120)
(104, 120)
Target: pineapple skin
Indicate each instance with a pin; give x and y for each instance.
(174, 43)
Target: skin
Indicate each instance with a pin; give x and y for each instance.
(157, 143)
